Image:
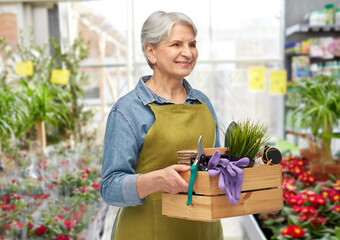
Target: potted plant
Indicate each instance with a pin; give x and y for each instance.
(245, 139)
(45, 102)
(319, 107)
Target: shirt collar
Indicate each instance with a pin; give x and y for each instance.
(147, 96)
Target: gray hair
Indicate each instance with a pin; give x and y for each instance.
(158, 26)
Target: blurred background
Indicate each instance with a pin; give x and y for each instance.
(232, 36)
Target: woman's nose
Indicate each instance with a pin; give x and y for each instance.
(186, 51)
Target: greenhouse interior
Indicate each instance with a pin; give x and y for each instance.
(78, 97)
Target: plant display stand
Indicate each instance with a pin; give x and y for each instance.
(260, 193)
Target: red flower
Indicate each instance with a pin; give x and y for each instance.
(40, 230)
(83, 208)
(18, 197)
(30, 225)
(13, 181)
(307, 193)
(294, 231)
(317, 221)
(321, 201)
(96, 186)
(36, 197)
(11, 208)
(298, 209)
(315, 200)
(83, 189)
(69, 224)
(63, 237)
(307, 178)
(44, 196)
(309, 210)
(67, 209)
(335, 197)
(4, 207)
(326, 193)
(6, 199)
(296, 200)
(336, 185)
(336, 208)
(19, 225)
(83, 176)
(76, 215)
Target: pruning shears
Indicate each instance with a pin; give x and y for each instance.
(193, 169)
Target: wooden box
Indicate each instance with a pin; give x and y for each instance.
(260, 193)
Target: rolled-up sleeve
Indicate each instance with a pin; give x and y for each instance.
(118, 184)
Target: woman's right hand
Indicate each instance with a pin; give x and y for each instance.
(171, 181)
(166, 179)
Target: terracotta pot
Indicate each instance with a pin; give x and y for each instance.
(322, 171)
(310, 156)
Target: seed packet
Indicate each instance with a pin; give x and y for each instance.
(336, 46)
(327, 47)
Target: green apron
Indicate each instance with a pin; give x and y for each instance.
(176, 127)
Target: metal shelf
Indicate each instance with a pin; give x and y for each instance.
(304, 28)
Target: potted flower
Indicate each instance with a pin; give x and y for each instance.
(320, 107)
(311, 207)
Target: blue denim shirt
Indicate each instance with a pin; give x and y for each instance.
(128, 122)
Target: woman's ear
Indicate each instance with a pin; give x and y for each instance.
(149, 50)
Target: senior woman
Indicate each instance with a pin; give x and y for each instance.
(147, 127)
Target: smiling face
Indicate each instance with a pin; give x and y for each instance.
(176, 56)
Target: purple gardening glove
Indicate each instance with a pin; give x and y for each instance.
(223, 167)
(238, 168)
(231, 175)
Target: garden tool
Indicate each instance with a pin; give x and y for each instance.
(193, 169)
(231, 175)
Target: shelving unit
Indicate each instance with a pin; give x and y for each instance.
(305, 28)
(296, 30)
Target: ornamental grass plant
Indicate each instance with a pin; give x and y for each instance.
(246, 139)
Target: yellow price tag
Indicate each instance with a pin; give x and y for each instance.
(257, 78)
(278, 82)
(60, 76)
(24, 68)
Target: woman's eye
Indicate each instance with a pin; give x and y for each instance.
(175, 45)
(193, 45)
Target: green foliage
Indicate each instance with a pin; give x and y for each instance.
(71, 60)
(13, 113)
(39, 55)
(5, 54)
(230, 130)
(46, 102)
(28, 99)
(320, 107)
(321, 98)
(247, 139)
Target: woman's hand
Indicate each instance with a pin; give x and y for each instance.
(171, 181)
(166, 179)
